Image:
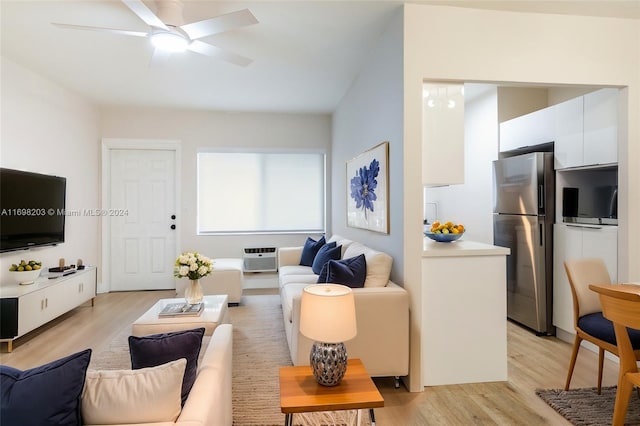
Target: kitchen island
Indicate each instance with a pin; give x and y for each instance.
(464, 312)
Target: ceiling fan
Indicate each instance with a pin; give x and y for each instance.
(169, 33)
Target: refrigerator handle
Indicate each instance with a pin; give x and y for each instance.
(541, 196)
(541, 231)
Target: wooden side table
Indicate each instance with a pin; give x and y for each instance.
(300, 393)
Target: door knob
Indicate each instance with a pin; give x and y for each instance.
(173, 227)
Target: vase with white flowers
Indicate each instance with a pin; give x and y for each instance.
(194, 266)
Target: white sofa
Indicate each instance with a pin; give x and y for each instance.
(209, 401)
(382, 310)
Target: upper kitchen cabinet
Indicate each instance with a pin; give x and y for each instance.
(601, 127)
(443, 134)
(528, 130)
(587, 130)
(568, 119)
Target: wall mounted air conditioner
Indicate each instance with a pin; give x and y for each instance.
(260, 259)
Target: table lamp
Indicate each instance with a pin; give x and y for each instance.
(328, 316)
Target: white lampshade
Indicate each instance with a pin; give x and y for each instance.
(328, 313)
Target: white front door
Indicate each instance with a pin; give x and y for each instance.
(142, 215)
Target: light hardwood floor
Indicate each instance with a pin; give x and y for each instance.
(534, 362)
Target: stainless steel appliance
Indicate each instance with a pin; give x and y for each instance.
(595, 205)
(523, 194)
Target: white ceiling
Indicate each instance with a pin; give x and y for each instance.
(306, 54)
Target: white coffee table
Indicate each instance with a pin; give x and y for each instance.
(215, 312)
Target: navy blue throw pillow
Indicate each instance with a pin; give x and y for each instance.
(351, 272)
(45, 395)
(158, 349)
(310, 250)
(326, 253)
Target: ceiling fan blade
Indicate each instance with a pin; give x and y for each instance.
(213, 51)
(144, 13)
(219, 24)
(104, 30)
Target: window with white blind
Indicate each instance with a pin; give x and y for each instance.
(244, 192)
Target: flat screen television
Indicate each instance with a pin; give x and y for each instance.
(32, 208)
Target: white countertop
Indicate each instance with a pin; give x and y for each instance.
(461, 247)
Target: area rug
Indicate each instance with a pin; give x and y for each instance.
(115, 355)
(584, 407)
(259, 350)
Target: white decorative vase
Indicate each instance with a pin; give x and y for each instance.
(193, 293)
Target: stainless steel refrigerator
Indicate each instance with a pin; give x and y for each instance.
(523, 216)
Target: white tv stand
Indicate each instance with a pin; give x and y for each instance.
(24, 308)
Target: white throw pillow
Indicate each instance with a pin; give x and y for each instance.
(146, 395)
(378, 264)
(340, 241)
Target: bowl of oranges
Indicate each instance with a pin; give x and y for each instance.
(445, 232)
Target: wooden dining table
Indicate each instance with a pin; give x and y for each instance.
(632, 289)
(621, 305)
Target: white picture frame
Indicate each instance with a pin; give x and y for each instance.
(367, 185)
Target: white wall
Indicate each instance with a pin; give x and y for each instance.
(471, 203)
(498, 46)
(516, 101)
(370, 113)
(558, 95)
(199, 130)
(48, 129)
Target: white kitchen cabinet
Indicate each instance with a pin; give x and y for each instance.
(443, 136)
(26, 308)
(575, 242)
(531, 129)
(464, 313)
(587, 130)
(601, 127)
(568, 118)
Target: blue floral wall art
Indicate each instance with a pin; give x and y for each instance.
(363, 186)
(367, 190)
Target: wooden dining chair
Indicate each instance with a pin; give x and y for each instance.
(588, 320)
(621, 305)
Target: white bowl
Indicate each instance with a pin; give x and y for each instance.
(25, 277)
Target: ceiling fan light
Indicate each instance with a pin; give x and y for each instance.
(168, 41)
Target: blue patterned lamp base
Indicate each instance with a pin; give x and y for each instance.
(328, 362)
